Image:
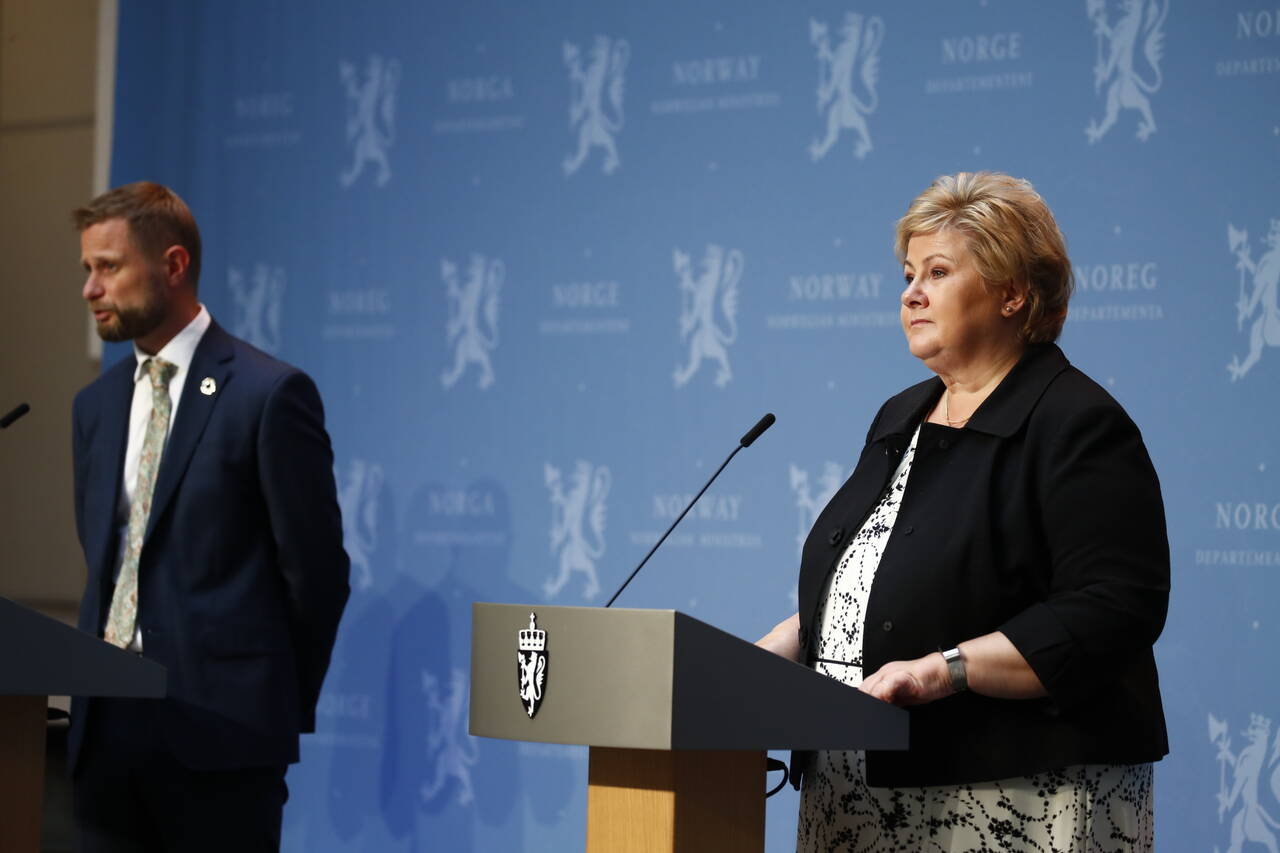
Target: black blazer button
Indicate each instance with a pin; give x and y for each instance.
(888, 626)
(908, 530)
(836, 536)
(944, 444)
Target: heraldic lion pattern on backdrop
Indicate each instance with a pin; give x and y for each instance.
(548, 261)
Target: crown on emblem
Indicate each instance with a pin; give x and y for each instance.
(534, 639)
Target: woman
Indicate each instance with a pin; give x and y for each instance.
(998, 561)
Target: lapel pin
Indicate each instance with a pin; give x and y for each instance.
(208, 386)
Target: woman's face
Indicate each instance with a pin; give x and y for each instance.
(949, 315)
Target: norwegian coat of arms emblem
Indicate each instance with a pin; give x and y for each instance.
(531, 657)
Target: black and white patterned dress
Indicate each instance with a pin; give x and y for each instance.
(1078, 809)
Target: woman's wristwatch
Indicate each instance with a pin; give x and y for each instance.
(955, 666)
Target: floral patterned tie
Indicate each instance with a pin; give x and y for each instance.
(123, 616)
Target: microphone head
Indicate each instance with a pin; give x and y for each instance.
(18, 412)
(757, 430)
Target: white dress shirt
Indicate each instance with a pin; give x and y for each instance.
(180, 350)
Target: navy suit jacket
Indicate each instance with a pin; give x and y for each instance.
(242, 577)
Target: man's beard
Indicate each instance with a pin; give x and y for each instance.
(127, 324)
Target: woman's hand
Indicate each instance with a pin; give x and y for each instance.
(784, 639)
(993, 667)
(910, 682)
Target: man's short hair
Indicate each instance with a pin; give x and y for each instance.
(157, 219)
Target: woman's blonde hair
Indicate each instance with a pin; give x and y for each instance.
(1011, 234)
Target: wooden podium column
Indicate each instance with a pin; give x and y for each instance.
(675, 801)
(23, 720)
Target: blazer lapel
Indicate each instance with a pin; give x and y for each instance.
(1004, 412)
(102, 492)
(213, 360)
(905, 412)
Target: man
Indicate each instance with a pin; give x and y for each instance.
(206, 507)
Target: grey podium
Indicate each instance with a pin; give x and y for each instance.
(678, 715)
(42, 658)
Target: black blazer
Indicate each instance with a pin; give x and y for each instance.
(1042, 518)
(242, 577)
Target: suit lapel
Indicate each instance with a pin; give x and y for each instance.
(102, 493)
(213, 360)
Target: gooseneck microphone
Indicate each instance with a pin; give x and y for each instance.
(752, 434)
(20, 410)
(746, 441)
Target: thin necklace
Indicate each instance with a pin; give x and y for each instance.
(946, 403)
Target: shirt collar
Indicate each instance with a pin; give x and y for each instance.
(181, 348)
(1001, 414)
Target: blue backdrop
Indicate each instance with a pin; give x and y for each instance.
(548, 261)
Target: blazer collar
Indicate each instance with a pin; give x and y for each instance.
(1001, 414)
(211, 370)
